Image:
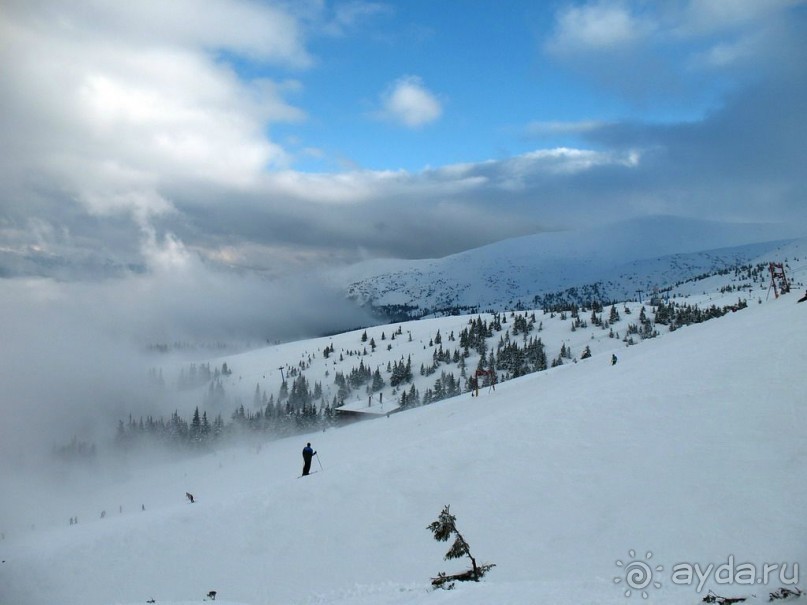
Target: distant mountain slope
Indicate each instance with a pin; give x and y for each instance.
(613, 262)
(689, 451)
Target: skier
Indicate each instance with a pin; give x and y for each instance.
(613, 360)
(308, 454)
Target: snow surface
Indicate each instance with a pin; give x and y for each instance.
(620, 258)
(691, 448)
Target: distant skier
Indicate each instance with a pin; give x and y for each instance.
(308, 454)
(613, 360)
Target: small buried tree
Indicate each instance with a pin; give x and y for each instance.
(443, 529)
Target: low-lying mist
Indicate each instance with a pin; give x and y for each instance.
(75, 357)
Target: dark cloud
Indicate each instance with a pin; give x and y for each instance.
(742, 162)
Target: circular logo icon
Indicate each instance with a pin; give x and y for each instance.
(638, 574)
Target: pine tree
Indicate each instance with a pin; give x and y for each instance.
(205, 429)
(443, 529)
(196, 426)
(378, 381)
(413, 398)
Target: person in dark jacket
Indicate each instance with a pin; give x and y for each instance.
(308, 454)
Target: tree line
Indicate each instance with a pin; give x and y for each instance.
(300, 406)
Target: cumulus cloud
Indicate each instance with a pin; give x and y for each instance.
(620, 43)
(111, 112)
(612, 43)
(113, 103)
(593, 27)
(408, 102)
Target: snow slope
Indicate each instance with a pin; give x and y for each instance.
(621, 258)
(691, 447)
(261, 368)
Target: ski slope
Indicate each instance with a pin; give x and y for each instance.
(691, 448)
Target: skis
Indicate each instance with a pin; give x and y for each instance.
(311, 473)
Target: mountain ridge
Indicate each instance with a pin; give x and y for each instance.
(619, 259)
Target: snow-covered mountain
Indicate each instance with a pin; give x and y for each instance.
(687, 452)
(612, 262)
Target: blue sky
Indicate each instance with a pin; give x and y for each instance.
(492, 74)
(278, 136)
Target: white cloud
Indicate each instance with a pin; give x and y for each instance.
(597, 26)
(703, 17)
(610, 25)
(724, 54)
(349, 15)
(550, 128)
(246, 28)
(712, 33)
(407, 101)
(144, 92)
(116, 105)
(761, 38)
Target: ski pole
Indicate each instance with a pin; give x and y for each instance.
(320, 462)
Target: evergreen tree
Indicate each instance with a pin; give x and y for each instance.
(443, 529)
(205, 428)
(378, 381)
(196, 426)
